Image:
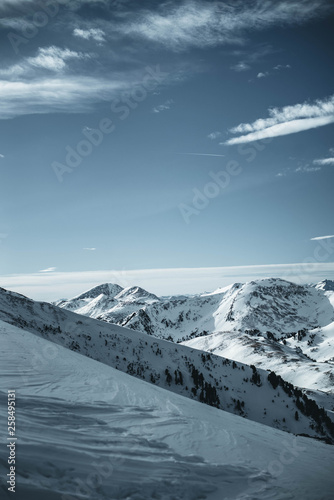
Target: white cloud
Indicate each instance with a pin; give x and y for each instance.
(262, 75)
(287, 128)
(287, 120)
(94, 33)
(75, 93)
(324, 161)
(48, 270)
(203, 24)
(52, 286)
(163, 107)
(53, 58)
(214, 135)
(92, 249)
(49, 58)
(277, 115)
(2, 156)
(322, 237)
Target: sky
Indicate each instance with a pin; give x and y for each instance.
(148, 138)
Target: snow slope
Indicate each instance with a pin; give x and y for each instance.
(86, 430)
(286, 360)
(217, 381)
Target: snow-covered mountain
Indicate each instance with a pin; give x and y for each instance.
(273, 305)
(234, 387)
(109, 301)
(326, 285)
(87, 430)
(271, 323)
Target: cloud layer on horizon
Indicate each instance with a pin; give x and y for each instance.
(56, 285)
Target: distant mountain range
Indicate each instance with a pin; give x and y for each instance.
(265, 305)
(271, 323)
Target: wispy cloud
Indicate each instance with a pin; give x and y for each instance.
(92, 249)
(322, 237)
(279, 67)
(251, 57)
(163, 107)
(241, 66)
(205, 24)
(48, 270)
(95, 33)
(75, 93)
(47, 58)
(214, 135)
(324, 161)
(285, 121)
(307, 168)
(301, 169)
(2, 156)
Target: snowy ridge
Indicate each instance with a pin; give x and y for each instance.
(216, 381)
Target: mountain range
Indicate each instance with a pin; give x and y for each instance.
(272, 323)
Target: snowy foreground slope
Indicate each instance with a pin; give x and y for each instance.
(216, 381)
(271, 323)
(86, 430)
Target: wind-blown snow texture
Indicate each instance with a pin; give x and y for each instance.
(272, 323)
(86, 430)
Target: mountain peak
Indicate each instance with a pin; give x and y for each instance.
(108, 289)
(136, 293)
(326, 285)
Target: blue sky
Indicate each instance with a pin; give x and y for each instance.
(153, 135)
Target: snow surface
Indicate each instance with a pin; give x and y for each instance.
(86, 430)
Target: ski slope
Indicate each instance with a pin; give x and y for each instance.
(86, 430)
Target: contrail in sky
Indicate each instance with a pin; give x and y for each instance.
(199, 154)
